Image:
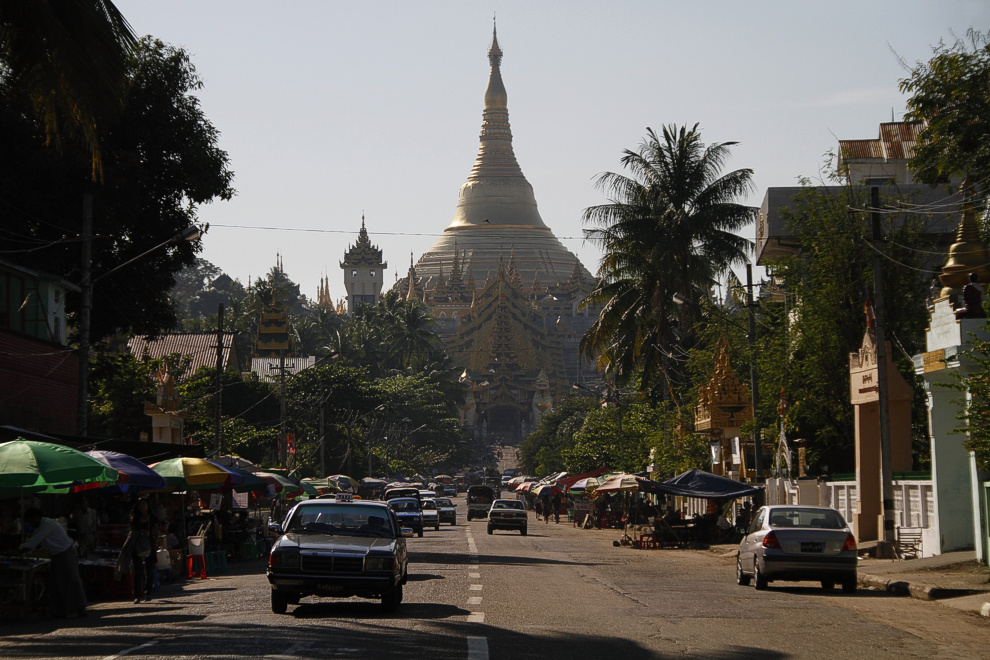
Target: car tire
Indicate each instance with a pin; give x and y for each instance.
(453, 522)
(419, 532)
(741, 578)
(490, 530)
(849, 586)
(280, 602)
(828, 585)
(391, 599)
(523, 531)
(469, 517)
(437, 528)
(761, 581)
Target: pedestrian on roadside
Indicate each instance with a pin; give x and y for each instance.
(139, 552)
(546, 503)
(65, 594)
(555, 503)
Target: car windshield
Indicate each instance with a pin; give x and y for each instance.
(509, 504)
(444, 503)
(404, 505)
(429, 505)
(798, 517)
(341, 519)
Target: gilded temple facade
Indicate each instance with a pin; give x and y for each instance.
(503, 290)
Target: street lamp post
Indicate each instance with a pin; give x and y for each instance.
(190, 233)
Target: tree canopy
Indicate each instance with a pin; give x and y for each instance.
(951, 94)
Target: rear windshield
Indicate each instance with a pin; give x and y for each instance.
(480, 496)
(507, 504)
(798, 517)
(404, 505)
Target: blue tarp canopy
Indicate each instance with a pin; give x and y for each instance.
(698, 483)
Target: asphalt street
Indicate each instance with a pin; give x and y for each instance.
(559, 592)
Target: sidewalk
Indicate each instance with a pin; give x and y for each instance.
(954, 579)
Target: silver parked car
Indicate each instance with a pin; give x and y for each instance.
(798, 543)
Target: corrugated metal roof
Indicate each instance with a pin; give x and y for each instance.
(896, 142)
(201, 347)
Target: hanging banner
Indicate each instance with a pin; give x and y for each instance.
(736, 451)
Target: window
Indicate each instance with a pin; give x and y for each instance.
(354, 273)
(372, 273)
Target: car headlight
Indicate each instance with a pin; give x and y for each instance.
(379, 564)
(284, 560)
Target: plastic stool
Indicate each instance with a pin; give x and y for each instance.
(648, 542)
(201, 559)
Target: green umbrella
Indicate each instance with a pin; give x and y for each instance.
(33, 466)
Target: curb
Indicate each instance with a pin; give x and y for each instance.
(920, 591)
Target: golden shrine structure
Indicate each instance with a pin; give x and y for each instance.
(724, 405)
(504, 292)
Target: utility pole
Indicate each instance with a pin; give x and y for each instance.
(886, 473)
(281, 393)
(323, 440)
(85, 308)
(754, 383)
(217, 399)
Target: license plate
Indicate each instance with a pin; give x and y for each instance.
(812, 546)
(329, 589)
(506, 515)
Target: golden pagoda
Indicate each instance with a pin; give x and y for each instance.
(498, 251)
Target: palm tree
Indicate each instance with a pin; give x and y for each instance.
(668, 228)
(69, 60)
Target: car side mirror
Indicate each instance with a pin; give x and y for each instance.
(275, 528)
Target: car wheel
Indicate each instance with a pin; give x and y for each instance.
(293, 599)
(490, 530)
(761, 581)
(391, 599)
(453, 522)
(523, 531)
(828, 585)
(419, 532)
(849, 586)
(280, 602)
(437, 528)
(741, 578)
(469, 517)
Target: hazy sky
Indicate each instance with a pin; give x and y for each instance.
(333, 109)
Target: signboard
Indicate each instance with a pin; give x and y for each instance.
(736, 451)
(216, 501)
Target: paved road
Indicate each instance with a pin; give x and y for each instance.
(559, 592)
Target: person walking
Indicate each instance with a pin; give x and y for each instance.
(139, 552)
(65, 594)
(555, 503)
(547, 503)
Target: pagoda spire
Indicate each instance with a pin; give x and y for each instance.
(496, 191)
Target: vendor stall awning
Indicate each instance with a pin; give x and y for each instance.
(698, 483)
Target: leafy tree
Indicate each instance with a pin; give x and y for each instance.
(160, 161)
(951, 94)
(121, 384)
(68, 59)
(667, 229)
(976, 413)
(541, 451)
(825, 322)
